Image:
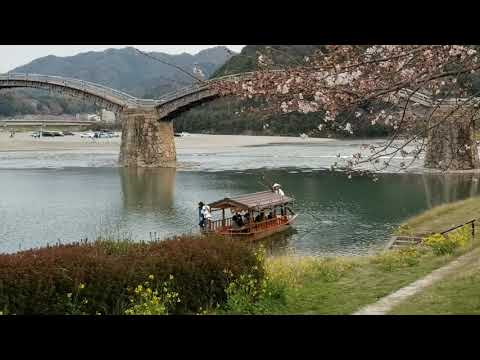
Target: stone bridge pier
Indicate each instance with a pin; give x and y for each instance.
(147, 141)
(451, 143)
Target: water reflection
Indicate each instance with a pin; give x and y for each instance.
(147, 189)
(444, 188)
(279, 244)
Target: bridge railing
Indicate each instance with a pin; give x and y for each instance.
(197, 87)
(182, 92)
(96, 89)
(123, 99)
(428, 101)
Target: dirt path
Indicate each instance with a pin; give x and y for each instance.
(386, 304)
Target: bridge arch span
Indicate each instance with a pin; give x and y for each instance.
(104, 96)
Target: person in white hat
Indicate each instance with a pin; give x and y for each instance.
(206, 212)
(277, 188)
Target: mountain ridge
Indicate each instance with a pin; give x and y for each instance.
(128, 70)
(123, 69)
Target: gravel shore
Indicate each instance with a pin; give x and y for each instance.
(24, 142)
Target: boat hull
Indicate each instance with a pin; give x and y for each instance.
(260, 234)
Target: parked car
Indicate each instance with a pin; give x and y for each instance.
(89, 135)
(68, 133)
(104, 135)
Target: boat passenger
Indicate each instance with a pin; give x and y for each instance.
(201, 218)
(237, 219)
(277, 189)
(206, 215)
(240, 220)
(206, 212)
(234, 217)
(260, 217)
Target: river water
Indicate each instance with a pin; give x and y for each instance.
(48, 197)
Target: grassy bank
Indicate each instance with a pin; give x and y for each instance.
(458, 293)
(344, 285)
(291, 285)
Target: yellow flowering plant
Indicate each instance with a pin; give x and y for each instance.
(460, 237)
(75, 305)
(158, 300)
(249, 294)
(442, 245)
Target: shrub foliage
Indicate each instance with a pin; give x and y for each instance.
(99, 276)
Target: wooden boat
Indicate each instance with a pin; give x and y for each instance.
(277, 210)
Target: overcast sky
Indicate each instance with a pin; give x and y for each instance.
(12, 56)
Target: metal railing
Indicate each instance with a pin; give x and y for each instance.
(472, 222)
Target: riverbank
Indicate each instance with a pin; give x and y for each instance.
(258, 286)
(344, 285)
(208, 143)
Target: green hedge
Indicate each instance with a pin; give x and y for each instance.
(39, 281)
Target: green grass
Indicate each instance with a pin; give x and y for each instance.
(458, 293)
(442, 217)
(342, 286)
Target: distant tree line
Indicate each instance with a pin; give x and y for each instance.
(20, 102)
(230, 116)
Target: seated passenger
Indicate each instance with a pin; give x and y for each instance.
(239, 220)
(260, 217)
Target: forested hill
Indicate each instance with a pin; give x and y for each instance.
(280, 54)
(122, 69)
(227, 115)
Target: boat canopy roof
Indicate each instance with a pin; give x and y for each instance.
(256, 201)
